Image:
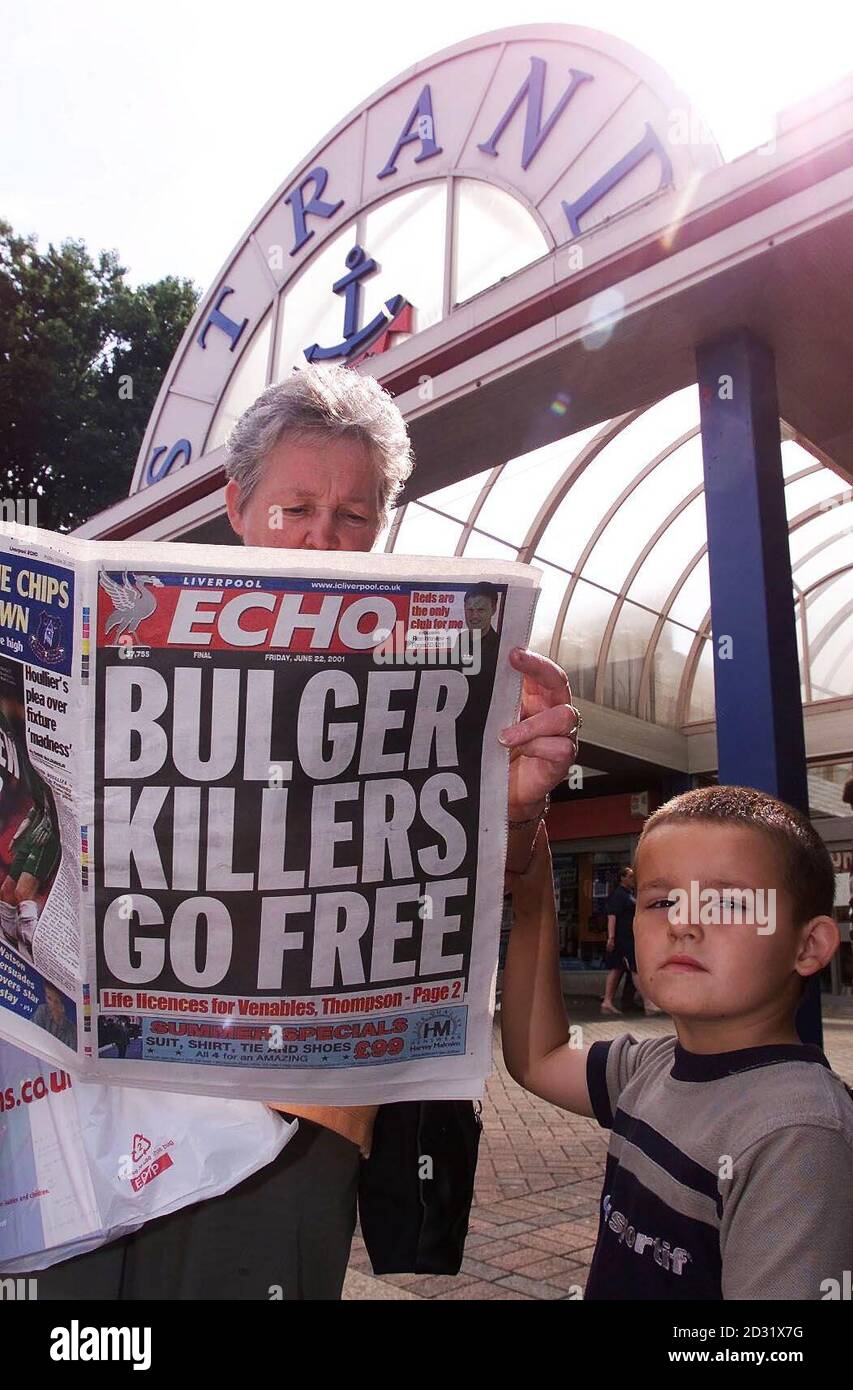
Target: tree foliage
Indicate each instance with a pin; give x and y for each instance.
(82, 357)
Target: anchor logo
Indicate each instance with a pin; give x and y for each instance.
(355, 339)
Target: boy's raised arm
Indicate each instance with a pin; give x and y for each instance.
(534, 1028)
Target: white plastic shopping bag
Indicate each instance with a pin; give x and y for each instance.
(83, 1164)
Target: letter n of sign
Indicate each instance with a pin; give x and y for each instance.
(533, 90)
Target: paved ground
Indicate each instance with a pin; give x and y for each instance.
(539, 1176)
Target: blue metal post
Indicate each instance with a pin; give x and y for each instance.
(760, 738)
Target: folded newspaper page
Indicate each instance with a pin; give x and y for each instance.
(253, 814)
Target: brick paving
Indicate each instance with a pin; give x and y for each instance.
(539, 1176)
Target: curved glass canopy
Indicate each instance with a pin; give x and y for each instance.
(614, 518)
(440, 244)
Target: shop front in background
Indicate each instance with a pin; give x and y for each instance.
(585, 874)
(592, 838)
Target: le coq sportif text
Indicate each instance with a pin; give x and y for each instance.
(356, 828)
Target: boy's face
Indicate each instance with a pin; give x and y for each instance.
(691, 960)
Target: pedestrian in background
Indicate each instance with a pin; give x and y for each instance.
(620, 955)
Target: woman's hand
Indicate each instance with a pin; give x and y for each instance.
(543, 744)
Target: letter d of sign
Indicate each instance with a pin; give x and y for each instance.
(422, 113)
(650, 144)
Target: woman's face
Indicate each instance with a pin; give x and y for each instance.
(313, 494)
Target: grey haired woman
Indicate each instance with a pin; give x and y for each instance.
(316, 463)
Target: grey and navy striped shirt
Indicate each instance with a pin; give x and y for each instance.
(729, 1175)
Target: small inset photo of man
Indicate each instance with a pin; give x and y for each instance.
(57, 1015)
(30, 848)
(119, 1036)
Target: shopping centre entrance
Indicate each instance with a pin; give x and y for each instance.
(623, 361)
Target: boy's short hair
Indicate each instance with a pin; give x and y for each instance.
(807, 868)
(847, 793)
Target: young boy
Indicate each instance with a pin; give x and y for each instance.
(730, 1167)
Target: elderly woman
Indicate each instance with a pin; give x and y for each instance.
(316, 463)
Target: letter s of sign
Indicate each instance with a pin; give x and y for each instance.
(183, 446)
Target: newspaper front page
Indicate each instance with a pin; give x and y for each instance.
(253, 814)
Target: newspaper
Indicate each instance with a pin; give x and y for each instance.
(253, 814)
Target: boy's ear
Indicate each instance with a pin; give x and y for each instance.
(819, 940)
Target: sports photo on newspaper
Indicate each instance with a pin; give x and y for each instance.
(253, 815)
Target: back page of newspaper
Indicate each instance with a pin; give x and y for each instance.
(41, 718)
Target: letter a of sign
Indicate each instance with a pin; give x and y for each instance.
(422, 113)
(533, 88)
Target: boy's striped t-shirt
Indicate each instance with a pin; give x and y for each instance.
(729, 1175)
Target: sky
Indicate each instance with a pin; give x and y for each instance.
(160, 127)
